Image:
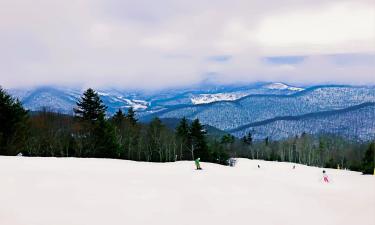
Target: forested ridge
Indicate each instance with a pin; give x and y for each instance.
(91, 133)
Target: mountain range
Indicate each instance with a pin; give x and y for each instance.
(274, 110)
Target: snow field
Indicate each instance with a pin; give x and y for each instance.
(72, 191)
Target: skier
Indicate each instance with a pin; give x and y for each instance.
(325, 177)
(197, 163)
(294, 166)
(259, 166)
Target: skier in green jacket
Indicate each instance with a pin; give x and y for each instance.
(197, 163)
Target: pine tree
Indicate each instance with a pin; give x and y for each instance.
(131, 116)
(119, 117)
(198, 140)
(368, 160)
(217, 153)
(90, 107)
(267, 141)
(244, 139)
(127, 133)
(227, 139)
(183, 136)
(182, 131)
(105, 144)
(321, 149)
(99, 135)
(13, 118)
(248, 139)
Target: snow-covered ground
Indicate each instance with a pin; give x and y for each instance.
(71, 191)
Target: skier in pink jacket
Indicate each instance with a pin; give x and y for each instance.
(325, 177)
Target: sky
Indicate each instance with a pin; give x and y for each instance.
(170, 43)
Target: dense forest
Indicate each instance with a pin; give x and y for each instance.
(91, 133)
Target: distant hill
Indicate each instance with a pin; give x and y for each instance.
(355, 122)
(252, 108)
(234, 108)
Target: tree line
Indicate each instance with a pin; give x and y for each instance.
(90, 133)
(322, 150)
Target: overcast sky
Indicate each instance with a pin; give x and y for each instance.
(169, 43)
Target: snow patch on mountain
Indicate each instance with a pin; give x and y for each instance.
(136, 104)
(103, 93)
(108, 97)
(282, 86)
(208, 98)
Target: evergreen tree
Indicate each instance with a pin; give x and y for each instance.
(198, 140)
(119, 117)
(90, 107)
(131, 116)
(321, 149)
(127, 134)
(368, 160)
(227, 139)
(182, 131)
(267, 141)
(184, 139)
(13, 118)
(248, 139)
(98, 134)
(243, 139)
(105, 144)
(217, 153)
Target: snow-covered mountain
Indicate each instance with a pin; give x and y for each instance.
(64, 99)
(356, 123)
(229, 115)
(271, 88)
(227, 107)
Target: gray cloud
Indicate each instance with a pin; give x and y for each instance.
(157, 44)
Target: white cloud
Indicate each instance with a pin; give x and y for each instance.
(340, 28)
(155, 44)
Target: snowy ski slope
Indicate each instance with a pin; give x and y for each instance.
(72, 191)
